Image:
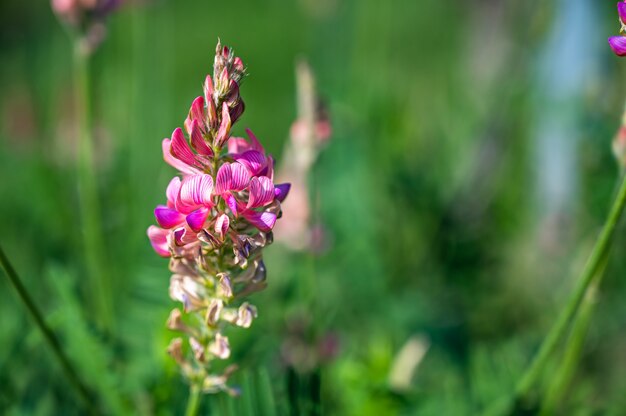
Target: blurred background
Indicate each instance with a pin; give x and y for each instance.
(466, 177)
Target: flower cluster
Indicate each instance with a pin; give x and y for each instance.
(85, 18)
(618, 43)
(218, 217)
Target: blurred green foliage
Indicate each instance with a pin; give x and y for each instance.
(426, 190)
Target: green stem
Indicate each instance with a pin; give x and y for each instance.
(600, 250)
(48, 335)
(93, 240)
(194, 401)
(575, 344)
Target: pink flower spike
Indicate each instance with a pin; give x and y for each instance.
(281, 191)
(197, 218)
(221, 225)
(264, 221)
(158, 239)
(618, 44)
(172, 191)
(224, 130)
(261, 192)
(195, 191)
(168, 218)
(197, 141)
(180, 148)
(621, 10)
(173, 162)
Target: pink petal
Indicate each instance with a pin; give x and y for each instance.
(237, 145)
(208, 89)
(172, 191)
(197, 111)
(197, 140)
(261, 192)
(168, 218)
(240, 177)
(184, 236)
(255, 144)
(180, 148)
(264, 221)
(158, 239)
(253, 160)
(197, 218)
(223, 179)
(195, 191)
(281, 191)
(221, 225)
(172, 161)
(224, 130)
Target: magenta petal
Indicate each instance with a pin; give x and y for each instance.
(240, 177)
(231, 202)
(253, 160)
(172, 191)
(621, 10)
(195, 191)
(223, 179)
(221, 225)
(180, 148)
(197, 141)
(281, 191)
(261, 192)
(224, 130)
(168, 218)
(264, 221)
(172, 161)
(197, 218)
(158, 239)
(618, 44)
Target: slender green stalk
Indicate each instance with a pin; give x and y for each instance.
(594, 263)
(93, 240)
(194, 401)
(48, 335)
(575, 344)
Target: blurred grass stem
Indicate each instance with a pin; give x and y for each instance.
(571, 357)
(88, 191)
(594, 264)
(48, 335)
(194, 401)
